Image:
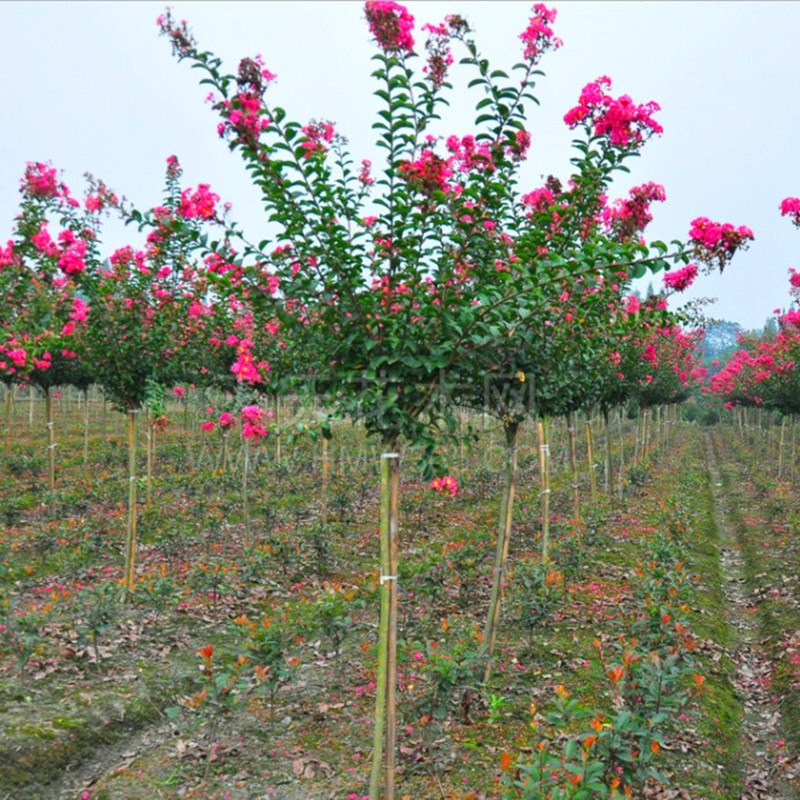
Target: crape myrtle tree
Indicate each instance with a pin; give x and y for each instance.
(145, 307)
(41, 267)
(388, 282)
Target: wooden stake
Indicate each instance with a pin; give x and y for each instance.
(501, 551)
(590, 457)
(130, 542)
(544, 467)
(385, 701)
(573, 462)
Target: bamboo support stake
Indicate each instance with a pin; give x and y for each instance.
(51, 442)
(245, 471)
(326, 469)
(781, 446)
(590, 457)
(85, 426)
(151, 437)
(130, 542)
(607, 454)
(7, 437)
(501, 551)
(573, 462)
(544, 466)
(385, 702)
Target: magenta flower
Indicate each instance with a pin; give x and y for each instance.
(199, 203)
(391, 25)
(538, 37)
(446, 485)
(621, 120)
(716, 242)
(251, 423)
(681, 279)
(790, 207)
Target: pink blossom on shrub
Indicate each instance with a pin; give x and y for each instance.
(43, 242)
(446, 485)
(251, 423)
(716, 242)
(428, 174)
(790, 207)
(207, 426)
(621, 120)
(439, 56)
(198, 203)
(682, 278)
(226, 420)
(71, 261)
(391, 25)
(538, 37)
(41, 181)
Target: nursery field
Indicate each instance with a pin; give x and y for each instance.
(656, 653)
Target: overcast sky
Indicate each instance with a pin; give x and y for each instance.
(90, 86)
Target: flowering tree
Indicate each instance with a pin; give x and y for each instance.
(392, 284)
(41, 268)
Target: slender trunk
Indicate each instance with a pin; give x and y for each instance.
(781, 445)
(7, 437)
(573, 463)
(621, 470)
(85, 426)
(51, 442)
(607, 455)
(130, 542)
(278, 443)
(385, 703)
(590, 458)
(245, 471)
(544, 468)
(503, 541)
(151, 446)
(326, 468)
(645, 433)
(794, 450)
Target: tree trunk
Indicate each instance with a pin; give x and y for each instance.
(501, 551)
(130, 542)
(385, 704)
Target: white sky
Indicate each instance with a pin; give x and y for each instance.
(90, 86)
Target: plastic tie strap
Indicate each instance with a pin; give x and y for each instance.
(386, 578)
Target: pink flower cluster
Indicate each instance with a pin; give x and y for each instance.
(446, 485)
(226, 421)
(318, 134)
(41, 181)
(72, 257)
(682, 278)
(716, 242)
(625, 123)
(790, 207)
(428, 174)
(245, 368)
(538, 36)
(631, 216)
(244, 117)
(439, 56)
(469, 155)
(539, 199)
(252, 427)
(391, 25)
(200, 203)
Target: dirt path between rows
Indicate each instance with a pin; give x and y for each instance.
(761, 723)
